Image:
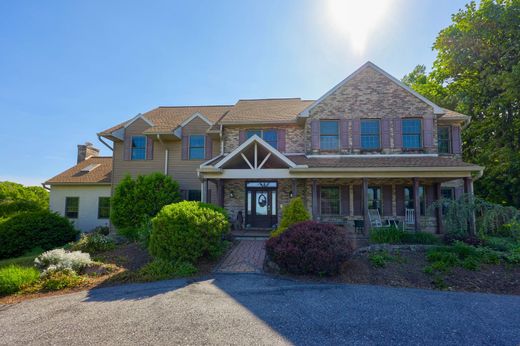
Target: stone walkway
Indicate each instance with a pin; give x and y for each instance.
(246, 257)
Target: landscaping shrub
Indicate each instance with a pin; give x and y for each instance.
(15, 198)
(28, 230)
(103, 230)
(13, 278)
(160, 269)
(59, 259)
(58, 280)
(462, 255)
(93, 242)
(293, 213)
(137, 200)
(215, 208)
(309, 248)
(394, 235)
(186, 231)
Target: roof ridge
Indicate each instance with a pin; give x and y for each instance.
(271, 98)
(194, 106)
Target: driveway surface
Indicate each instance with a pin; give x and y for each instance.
(246, 309)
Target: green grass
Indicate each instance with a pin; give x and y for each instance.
(27, 260)
(13, 278)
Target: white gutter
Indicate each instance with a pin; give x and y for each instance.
(166, 152)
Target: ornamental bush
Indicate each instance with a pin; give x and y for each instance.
(394, 235)
(25, 231)
(137, 200)
(187, 231)
(93, 242)
(59, 259)
(310, 248)
(293, 213)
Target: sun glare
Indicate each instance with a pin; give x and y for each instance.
(357, 20)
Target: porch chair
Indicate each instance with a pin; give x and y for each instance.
(375, 219)
(409, 218)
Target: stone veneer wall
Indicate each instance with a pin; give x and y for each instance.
(294, 137)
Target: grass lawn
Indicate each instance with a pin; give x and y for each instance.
(27, 260)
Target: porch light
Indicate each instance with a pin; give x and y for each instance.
(290, 194)
(231, 194)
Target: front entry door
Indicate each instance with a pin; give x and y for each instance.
(261, 205)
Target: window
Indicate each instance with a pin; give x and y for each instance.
(329, 137)
(408, 199)
(443, 139)
(412, 133)
(103, 207)
(374, 199)
(138, 147)
(447, 193)
(329, 200)
(270, 136)
(370, 134)
(71, 207)
(194, 195)
(197, 147)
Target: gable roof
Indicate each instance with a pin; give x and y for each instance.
(99, 172)
(280, 110)
(368, 64)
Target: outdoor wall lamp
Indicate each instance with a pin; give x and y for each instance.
(231, 195)
(290, 194)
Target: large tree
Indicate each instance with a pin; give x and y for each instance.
(477, 72)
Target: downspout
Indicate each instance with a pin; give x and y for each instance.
(165, 154)
(105, 143)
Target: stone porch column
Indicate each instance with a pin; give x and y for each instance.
(294, 187)
(366, 221)
(416, 204)
(220, 192)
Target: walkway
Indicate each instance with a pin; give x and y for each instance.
(246, 257)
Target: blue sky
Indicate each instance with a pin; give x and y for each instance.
(69, 69)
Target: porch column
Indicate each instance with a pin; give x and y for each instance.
(416, 204)
(204, 191)
(468, 189)
(294, 188)
(220, 192)
(314, 200)
(366, 222)
(438, 211)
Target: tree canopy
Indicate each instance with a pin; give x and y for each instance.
(16, 197)
(477, 72)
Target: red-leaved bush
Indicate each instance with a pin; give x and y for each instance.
(310, 248)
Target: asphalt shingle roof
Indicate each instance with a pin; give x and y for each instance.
(99, 175)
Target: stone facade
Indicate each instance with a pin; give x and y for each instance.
(294, 136)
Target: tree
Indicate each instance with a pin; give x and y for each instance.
(16, 198)
(478, 69)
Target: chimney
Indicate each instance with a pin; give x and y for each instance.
(86, 150)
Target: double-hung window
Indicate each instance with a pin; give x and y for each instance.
(270, 136)
(444, 139)
(447, 193)
(72, 207)
(374, 199)
(138, 148)
(329, 135)
(370, 134)
(409, 199)
(330, 200)
(197, 151)
(412, 133)
(103, 207)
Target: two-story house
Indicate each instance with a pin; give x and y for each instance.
(369, 144)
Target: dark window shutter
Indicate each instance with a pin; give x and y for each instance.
(241, 136)
(399, 200)
(127, 154)
(385, 133)
(185, 147)
(428, 132)
(456, 140)
(344, 133)
(209, 147)
(398, 134)
(149, 148)
(345, 199)
(356, 133)
(315, 134)
(358, 200)
(387, 200)
(281, 133)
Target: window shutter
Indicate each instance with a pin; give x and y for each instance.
(345, 199)
(428, 132)
(456, 140)
(241, 136)
(358, 200)
(185, 147)
(387, 200)
(149, 148)
(399, 200)
(398, 134)
(385, 133)
(356, 133)
(315, 134)
(281, 133)
(127, 155)
(343, 124)
(208, 147)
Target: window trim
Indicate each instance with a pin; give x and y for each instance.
(203, 148)
(421, 136)
(99, 208)
(68, 198)
(378, 120)
(450, 149)
(262, 135)
(339, 199)
(337, 135)
(132, 147)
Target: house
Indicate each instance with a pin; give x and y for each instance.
(370, 144)
(82, 193)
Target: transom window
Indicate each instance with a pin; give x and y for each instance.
(412, 133)
(408, 199)
(103, 207)
(72, 207)
(329, 135)
(138, 147)
(374, 199)
(443, 139)
(329, 196)
(370, 134)
(197, 147)
(270, 136)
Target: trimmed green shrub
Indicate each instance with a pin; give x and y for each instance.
(29, 230)
(58, 280)
(186, 231)
(160, 269)
(137, 200)
(93, 242)
(215, 208)
(13, 278)
(293, 213)
(394, 235)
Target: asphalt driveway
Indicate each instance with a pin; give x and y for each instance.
(244, 309)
